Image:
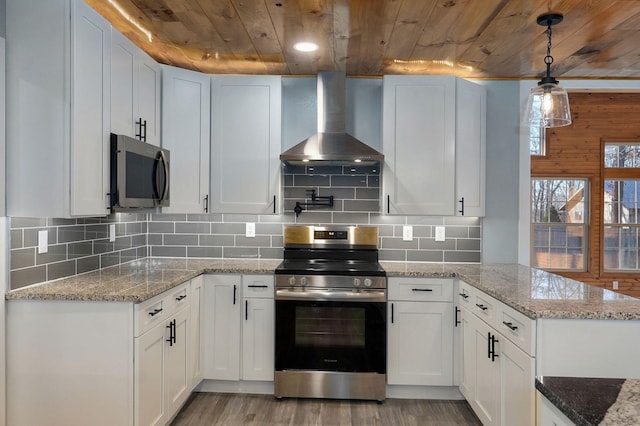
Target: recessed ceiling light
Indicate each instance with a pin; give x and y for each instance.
(305, 46)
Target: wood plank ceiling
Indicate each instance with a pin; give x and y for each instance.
(468, 38)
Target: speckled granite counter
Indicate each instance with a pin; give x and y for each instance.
(138, 280)
(588, 401)
(533, 292)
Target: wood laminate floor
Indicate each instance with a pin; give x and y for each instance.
(205, 408)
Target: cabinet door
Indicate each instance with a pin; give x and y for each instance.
(149, 86)
(245, 144)
(222, 327)
(258, 336)
(196, 336)
(419, 144)
(486, 401)
(90, 122)
(470, 148)
(467, 355)
(420, 343)
(178, 371)
(123, 84)
(185, 132)
(149, 389)
(517, 385)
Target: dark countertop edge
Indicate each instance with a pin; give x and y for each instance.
(559, 403)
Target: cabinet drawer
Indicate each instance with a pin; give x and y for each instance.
(516, 327)
(257, 286)
(178, 297)
(421, 289)
(149, 313)
(465, 292)
(484, 306)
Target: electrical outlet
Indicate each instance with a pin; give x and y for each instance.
(615, 285)
(407, 233)
(440, 233)
(250, 230)
(43, 241)
(112, 232)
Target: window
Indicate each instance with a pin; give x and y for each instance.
(537, 140)
(559, 223)
(621, 201)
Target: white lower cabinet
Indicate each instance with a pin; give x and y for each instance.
(496, 374)
(100, 363)
(549, 414)
(420, 332)
(239, 327)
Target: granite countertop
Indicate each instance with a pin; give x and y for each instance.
(594, 401)
(535, 293)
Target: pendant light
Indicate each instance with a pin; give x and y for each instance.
(548, 104)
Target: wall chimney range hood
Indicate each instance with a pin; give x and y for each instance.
(332, 145)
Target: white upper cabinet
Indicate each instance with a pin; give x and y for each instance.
(424, 124)
(135, 91)
(245, 144)
(58, 113)
(186, 105)
(471, 101)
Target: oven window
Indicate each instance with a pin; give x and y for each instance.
(330, 326)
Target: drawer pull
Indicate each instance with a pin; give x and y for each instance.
(510, 325)
(181, 297)
(464, 295)
(421, 289)
(257, 286)
(484, 308)
(155, 312)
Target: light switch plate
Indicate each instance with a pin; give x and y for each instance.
(112, 232)
(407, 233)
(250, 230)
(43, 241)
(440, 233)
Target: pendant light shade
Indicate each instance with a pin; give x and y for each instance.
(548, 104)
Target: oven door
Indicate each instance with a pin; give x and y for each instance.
(343, 336)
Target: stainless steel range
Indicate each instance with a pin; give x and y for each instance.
(331, 297)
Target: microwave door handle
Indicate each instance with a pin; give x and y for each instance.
(165, 166)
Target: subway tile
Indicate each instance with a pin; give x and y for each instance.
(27, 222)
(295, 192)
(367, 193)
(95, 231)
(31, 236)
(270, 253)
(193, 228)
(312, 180)
(362, 170)
(121, 229)
(67, 234)
(362, 206)
(109, 259)
(227, 228)
(16, 238)
(350, 218)
(338, 193)
(392, 255)
(462, 220)
(61, 269)
(288, 180)
(133, 228)
(243, 218)
(420, 231)
(462, 256)
(268, 228)
(55, 253)
(467, 244)
(385, 230)
(217, 240)
(165, 217)
(425, 256)
(87, 220)
(154, 239)
(378, 219)
(324, 170)
(52, 221)
(425, 220)
(163, 251)
(180, 240)
(128, 255)
(24, 277)
(474, 232)
(102, 246)
(86, 264)
(293, 169)
(314, 218)
(139, 240)
(23, 258)
(351, 181)
(277, 241)
(239, 253)
(257, 241)
(432, 244)
(204, 217)
(122, 243)
(130, 217)
(80, 249)
(209, 252)
(373, 181)
(456, 232)
(398, 243)
(161, 227)
(142, 252)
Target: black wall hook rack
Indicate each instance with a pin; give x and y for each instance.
(316, 201)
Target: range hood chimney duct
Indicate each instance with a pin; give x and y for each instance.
(332, 144)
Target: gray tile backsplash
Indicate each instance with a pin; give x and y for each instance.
(82, 245)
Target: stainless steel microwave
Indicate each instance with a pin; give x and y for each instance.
(139, 174)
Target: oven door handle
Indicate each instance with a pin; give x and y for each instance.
(333, 295)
